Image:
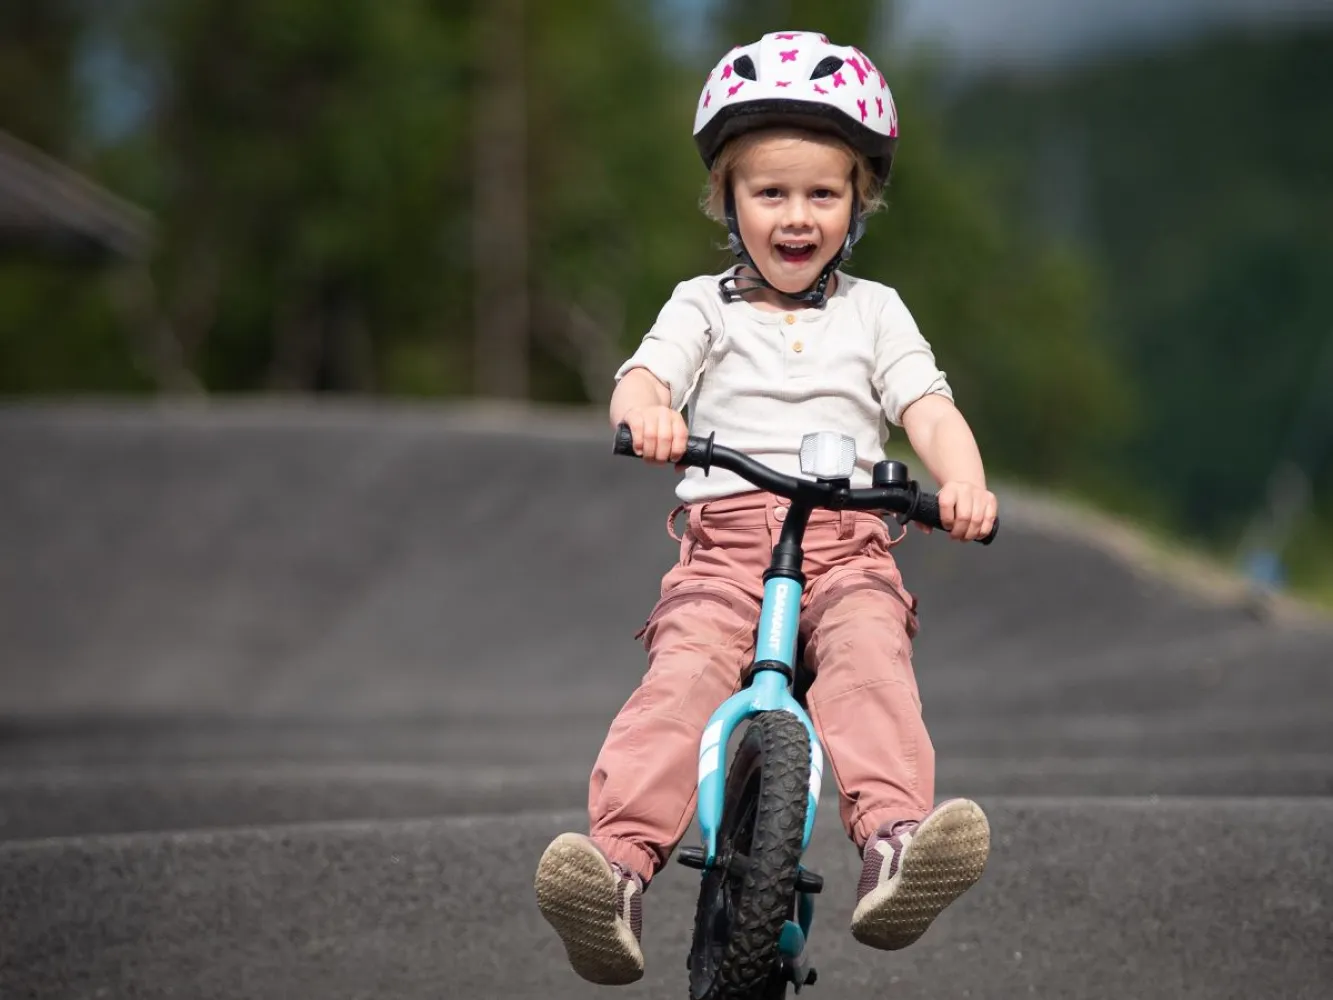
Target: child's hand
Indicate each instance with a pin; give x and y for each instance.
(659, 433)
(967, 511)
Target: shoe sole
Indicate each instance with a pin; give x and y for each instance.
(945, 857)
(578, 894)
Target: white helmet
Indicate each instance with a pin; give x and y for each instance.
(798, 78)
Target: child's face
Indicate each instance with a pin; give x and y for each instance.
(794, 206)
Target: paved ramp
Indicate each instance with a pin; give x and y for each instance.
(292, 697)
(1083, 898)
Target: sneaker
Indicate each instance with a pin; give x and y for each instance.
(596, 906)
(913, 870)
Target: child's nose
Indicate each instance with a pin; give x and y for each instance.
(798, 213)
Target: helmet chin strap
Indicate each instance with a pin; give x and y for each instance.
(815, 295)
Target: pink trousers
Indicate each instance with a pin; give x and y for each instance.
(857, 623)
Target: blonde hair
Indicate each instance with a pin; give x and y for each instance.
(869, 190)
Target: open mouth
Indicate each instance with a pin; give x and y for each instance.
(795, 253)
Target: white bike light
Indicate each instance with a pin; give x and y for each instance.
(828, 455)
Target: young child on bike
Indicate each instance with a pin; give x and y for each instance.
(798, 135)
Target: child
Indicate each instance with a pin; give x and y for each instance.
(798, 135)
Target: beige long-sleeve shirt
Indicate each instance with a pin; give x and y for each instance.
(761, 380)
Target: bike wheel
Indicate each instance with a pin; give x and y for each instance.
(747, 895)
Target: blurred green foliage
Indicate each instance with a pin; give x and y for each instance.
(1119, 266)
(1203, 185)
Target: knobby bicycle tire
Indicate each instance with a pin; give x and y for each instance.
(738, 921)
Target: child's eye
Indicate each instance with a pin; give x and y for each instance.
(824, 193)
(770, 193)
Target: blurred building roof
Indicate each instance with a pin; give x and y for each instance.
(47, 209)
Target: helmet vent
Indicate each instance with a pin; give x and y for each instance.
(827, 67)
(744, 66)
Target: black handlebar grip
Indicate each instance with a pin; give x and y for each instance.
(928, 512)
(624, 441)
(698, 452)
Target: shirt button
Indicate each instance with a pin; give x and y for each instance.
(798, 347)
(790, 319)
(780, 514)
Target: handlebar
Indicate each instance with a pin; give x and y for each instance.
(905, 499)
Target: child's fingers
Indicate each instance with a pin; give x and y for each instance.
(634, 421)
(651, 433)
(962, 517)
(648, 447)
(663, 432)
(679, 437)
(946, 503)
(991, 512)
(982, 518)
(967, 512)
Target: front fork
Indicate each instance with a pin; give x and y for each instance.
(769, 690)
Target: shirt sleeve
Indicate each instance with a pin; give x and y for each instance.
(676, 346)
(905, 368)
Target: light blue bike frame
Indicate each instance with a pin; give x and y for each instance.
(779, 621)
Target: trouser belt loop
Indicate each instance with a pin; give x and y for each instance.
(671, 521)
(697, 523)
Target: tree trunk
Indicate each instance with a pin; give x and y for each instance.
(500, 203)
(154, 345)
(298, 340)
